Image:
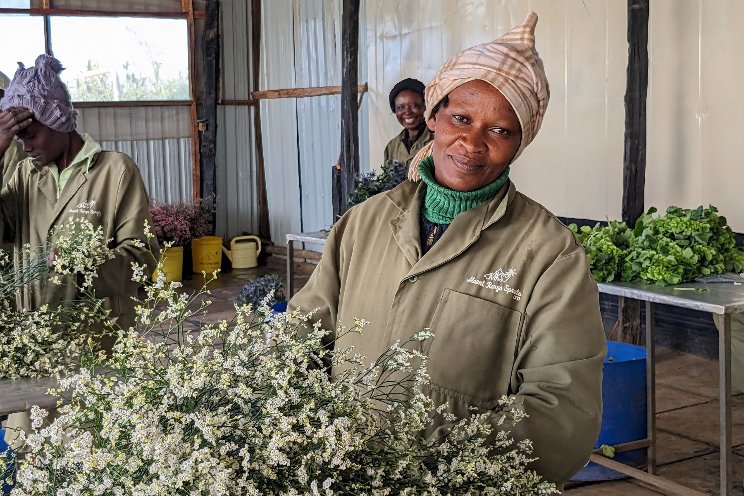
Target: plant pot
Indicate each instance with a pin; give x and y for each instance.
(206, 253)
(172, 265)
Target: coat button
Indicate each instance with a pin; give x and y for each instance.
(413, 279)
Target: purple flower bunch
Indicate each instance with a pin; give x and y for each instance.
(179, 223)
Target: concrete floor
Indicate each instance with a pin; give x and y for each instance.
(686, 398)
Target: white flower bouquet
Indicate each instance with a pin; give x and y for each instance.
(53, 339)
(247, 407)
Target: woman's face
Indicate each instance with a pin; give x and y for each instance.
(475, 137)
(409, 109)
(42, 144)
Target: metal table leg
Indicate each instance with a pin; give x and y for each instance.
(650, 388)
(724, 364)
(290, 268)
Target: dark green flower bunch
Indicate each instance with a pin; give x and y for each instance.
(365, 185)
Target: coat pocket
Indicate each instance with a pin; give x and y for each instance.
(473, 348)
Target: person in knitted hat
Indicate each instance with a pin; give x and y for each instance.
(503, 286)
(407, 103)
(65, 175)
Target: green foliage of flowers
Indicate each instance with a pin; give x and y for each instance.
(605, 247)
(246, 407)
(391, 174)
(665, 249)
(53, 339)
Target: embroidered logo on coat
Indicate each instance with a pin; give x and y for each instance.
(86, 207)
(496, 282)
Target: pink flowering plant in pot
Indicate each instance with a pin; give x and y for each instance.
(178, 223)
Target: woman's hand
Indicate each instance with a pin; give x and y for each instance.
(12, 122)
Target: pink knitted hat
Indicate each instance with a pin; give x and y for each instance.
(40, 90)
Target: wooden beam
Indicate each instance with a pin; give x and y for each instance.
(302, 92)
(153, 103)
(198, 14)
(264, 227)
(348, 165)
(196, 190)
(208, 167)
(634, 159)
(239, 103)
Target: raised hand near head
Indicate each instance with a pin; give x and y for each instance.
(12, 121)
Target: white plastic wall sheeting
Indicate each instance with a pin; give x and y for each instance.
(165, 166)
(574, 167)
(302, 136)
(568, 166)
(695, 119)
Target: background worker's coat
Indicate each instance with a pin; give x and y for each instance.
(109, 193)
(508, 295)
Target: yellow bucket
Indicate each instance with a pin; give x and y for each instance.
(206, 253)
(172, 265)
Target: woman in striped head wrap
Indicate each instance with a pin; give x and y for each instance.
(501, 283)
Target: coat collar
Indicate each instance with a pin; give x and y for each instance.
(463, 232)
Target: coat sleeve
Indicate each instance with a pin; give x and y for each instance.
(321, 293)
(9, 161)
(132, 209)
(557, 374)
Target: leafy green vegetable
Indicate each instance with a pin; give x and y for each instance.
(608, 451)
(668, 249)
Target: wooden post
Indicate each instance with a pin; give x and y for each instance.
(348, 164)
(211, 82)
(264, 228)
(634, 159)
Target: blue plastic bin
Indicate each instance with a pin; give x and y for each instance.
(624, 409)
(5, 453)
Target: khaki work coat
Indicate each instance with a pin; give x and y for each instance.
(9, 162)
(110, 193)
(506, 292)
(396, 149)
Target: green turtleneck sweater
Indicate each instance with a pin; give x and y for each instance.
(441, 205)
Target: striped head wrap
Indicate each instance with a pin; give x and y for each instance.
(511, 65)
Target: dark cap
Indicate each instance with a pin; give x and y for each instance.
(407, 84)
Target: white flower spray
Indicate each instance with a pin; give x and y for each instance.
(247, 407)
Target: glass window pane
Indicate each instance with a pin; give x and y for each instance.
(122, 58)
(16, 4)
(15, 28)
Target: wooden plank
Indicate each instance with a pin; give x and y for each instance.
(152, 103)
(654, 480)
(628, 328)
(208, 167)
(348, 163)
(198, 14)
(302, 92)
(196, 190)
(264, 227)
